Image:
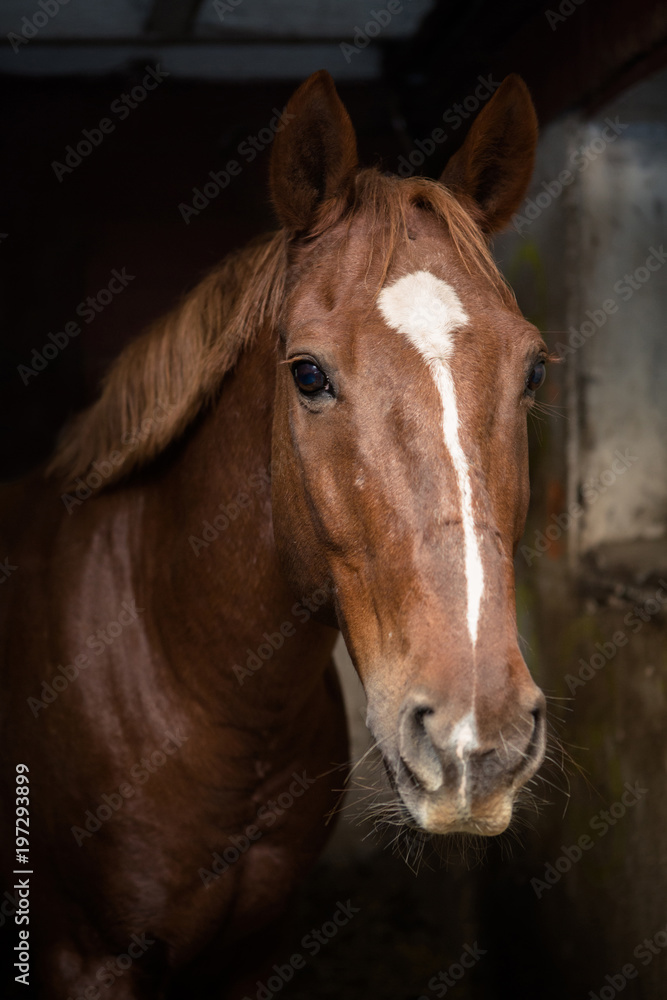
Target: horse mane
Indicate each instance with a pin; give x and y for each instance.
(161, 381)
(175, 368)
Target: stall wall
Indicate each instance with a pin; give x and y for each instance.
(587, 257)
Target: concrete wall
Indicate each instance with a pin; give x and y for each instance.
(589, 268)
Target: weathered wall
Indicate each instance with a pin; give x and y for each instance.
(589, 267)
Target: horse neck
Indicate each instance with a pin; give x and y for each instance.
(207, 540)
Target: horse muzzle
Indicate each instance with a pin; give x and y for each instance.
(450, 779)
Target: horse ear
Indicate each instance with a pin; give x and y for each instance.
(314, 157)
(495, 163)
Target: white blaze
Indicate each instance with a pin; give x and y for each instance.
(465, 740)
(427, 311)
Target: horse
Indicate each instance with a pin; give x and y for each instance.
(328, 433)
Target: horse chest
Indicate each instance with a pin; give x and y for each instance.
(245, 873)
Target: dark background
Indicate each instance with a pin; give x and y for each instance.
(120, 209)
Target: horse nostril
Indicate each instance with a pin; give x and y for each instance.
(418, 754)
(414, 723)
(420, 713)
(535, 746)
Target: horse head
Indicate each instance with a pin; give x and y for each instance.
(400, 456)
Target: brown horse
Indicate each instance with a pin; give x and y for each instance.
(329, 433)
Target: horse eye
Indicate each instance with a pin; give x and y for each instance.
(309, 378)
(536, 377)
